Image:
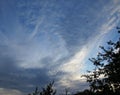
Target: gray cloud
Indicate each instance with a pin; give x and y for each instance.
(38, 38)
(14, 77)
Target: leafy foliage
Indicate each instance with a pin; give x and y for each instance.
(48, 90)
(105, 78)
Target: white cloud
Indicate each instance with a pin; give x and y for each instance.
(74, 64)
(32, 52)
(35, 31)
(73, 68)
(105, 28)
(4, 91)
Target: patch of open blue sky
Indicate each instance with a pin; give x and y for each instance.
(44, 40)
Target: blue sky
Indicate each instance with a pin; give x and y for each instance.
(45, 40)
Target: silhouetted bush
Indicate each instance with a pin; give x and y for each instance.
(48, 90)
(105, 78)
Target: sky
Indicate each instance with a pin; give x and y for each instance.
(46, 40)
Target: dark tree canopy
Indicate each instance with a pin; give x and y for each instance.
(105, 78)
(48, 90)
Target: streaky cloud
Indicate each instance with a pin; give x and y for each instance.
(43, 40)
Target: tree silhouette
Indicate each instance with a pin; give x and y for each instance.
(105, 78)
(48, 90)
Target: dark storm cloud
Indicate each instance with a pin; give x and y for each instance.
(24, 80)
(14, 77)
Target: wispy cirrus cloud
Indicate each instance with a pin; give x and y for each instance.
(43, 40)
(76, 63)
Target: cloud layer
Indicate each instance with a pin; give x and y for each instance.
(41, 41)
